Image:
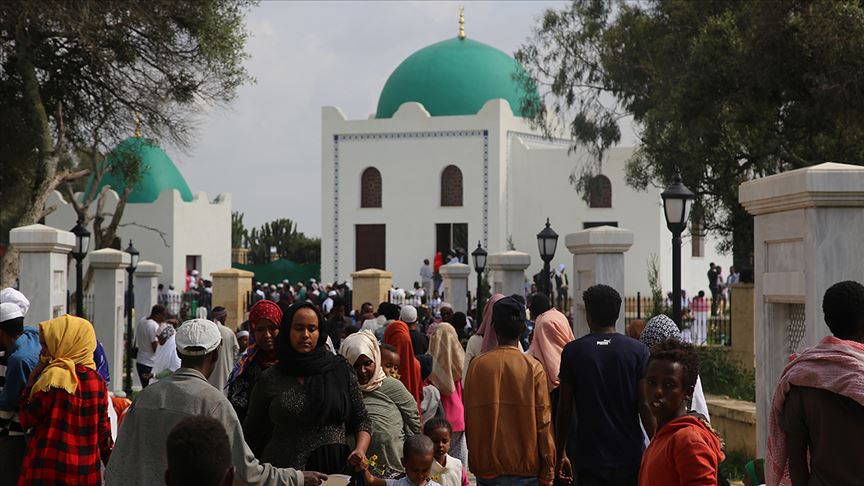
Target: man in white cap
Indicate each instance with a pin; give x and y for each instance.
(419, 341)
(139, 457)
(21, 344)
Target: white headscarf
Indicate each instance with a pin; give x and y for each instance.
(364, 343)
(13, 296)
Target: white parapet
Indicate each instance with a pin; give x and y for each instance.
(109, 286)
(508, 272)
(455, 276)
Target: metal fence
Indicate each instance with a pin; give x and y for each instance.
(701, 328)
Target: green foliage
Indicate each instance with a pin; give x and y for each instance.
(723, 91)
(239, 235)
(290, 244)
(733, 467)
(658, 306)
(723, 376)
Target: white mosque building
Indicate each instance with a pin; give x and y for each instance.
(447, 160)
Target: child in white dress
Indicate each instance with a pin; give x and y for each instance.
(446, 469)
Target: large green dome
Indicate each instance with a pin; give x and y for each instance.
(453, 77)
(158, 172)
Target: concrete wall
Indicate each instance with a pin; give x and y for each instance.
(735, 421)
(200, 227)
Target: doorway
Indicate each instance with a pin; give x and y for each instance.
(451, 238)
(370, 241)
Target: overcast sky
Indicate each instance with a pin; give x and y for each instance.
(266, 148)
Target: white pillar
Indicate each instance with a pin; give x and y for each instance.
(146, 283)
(43, 266)
(455, 277)
(807, 235)
(508, 272)
(598, 258)
(109, 286)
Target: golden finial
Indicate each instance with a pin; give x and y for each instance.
(137, 125)
(461, 22)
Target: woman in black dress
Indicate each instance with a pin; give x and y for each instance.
(303, 409)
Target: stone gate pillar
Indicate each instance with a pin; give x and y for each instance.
(146, 286)
(807, 237)
(370, 285)
(43, 263)
(455, 277)
(230, 290)
(508, 272)
(598, 258)
(109, 286)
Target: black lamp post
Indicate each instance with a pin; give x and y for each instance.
(82, 243)
(676, 199)
(547, 240)
(133, 264)
(479, 256)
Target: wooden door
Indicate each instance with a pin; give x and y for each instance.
(370, 242)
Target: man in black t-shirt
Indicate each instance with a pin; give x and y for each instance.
(602, 389)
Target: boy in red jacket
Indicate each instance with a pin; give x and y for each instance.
(685, 450)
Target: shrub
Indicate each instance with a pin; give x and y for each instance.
(723, 376)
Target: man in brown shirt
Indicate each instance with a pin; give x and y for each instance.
(827, 425)
(507, 411)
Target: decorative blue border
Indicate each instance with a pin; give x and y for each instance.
(533, 138)
(363, 137)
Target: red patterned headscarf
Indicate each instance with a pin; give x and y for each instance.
(263, 309)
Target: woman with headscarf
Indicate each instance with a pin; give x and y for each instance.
(447, 359)
(484, 339)
(398, 335)
(391, 408)
(662, 328)
(264, 319)
(65, 406)
(303, 408)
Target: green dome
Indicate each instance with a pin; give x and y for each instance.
(453, 77)
(158, 172)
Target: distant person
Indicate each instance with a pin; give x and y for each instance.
(427, 276)
(21, 344)
(484, 339)
(337, 322)
(65, 406)
(685, 449)
(146, 340)
(714, 287)
(419, 341)
(507, 410)
(816, 423)
(264, 320)
(198, 452)
(228, 352)
(602, 389)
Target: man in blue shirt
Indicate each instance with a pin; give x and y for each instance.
(22, 353)
(602, 389)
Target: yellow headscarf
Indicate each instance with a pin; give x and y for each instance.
(69, 340)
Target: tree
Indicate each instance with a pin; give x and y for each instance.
(77, 72)
(290, 244)
(723, 91)
(239, 235)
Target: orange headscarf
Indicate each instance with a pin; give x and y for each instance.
(551, 333)
(397, 335)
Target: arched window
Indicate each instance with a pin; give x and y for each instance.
(451, 186)
(600, 192)
(370, 188)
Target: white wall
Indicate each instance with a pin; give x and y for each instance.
(199, 227)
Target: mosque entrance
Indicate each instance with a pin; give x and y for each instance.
(369, 246)
(451, 238)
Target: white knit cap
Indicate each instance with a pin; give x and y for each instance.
(408, 314)
(9, 311)
(15, 297)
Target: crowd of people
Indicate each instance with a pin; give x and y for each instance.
(396, 397)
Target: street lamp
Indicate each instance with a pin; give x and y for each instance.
(547, 240)
(133, 264)
(479, 256)
(82, 243)
(676, 199)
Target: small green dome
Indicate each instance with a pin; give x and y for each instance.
(454, 77)
(158, 172)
